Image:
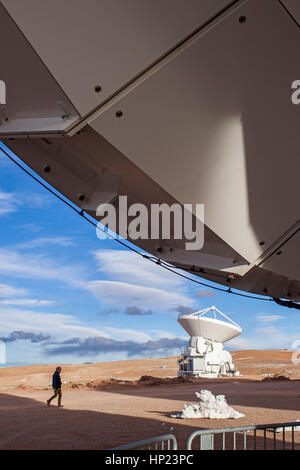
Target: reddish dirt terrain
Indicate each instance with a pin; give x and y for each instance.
(108, 404)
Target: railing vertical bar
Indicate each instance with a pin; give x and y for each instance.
(207, 436)
(152, 443)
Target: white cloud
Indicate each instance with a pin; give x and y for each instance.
(10, 291)
(136, 282)
(139, 283)
(30, 227)
(267, 337)
(33, 200)
(120, 334)
(159, 334)
(130, 267)
(16, 264)
(272, 337)
(44, 242)
(12, 202)
(8, 203)
(240, 343)
(27, 302)
(58, 326)
(152, 298)
(62, 327)
(10, 295)
(264, 318)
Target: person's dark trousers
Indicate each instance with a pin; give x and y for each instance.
(57, 392)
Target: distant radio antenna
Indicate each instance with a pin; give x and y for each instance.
(205, 356)
(2, 352)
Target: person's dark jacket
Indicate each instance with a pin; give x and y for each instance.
(56, 381)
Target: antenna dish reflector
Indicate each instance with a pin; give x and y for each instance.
(197, 324)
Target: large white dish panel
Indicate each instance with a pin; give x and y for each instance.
(216, 125)
(286, 260)
(105, 42)
(293, 7)
(34, 100)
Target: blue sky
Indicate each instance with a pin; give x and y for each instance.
(66, 296)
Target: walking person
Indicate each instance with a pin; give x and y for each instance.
(56, 384)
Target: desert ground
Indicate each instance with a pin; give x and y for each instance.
(110, 404)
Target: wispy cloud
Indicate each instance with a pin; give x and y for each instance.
(126, 266)
(8, 203)
(265, 318)
(126, 334)
(159, 334)
(56, 325)
(266, 337)
(62, 327)
(44, 242)
(37, 266)
(33, 200)
(30, 227)
(13, 201)
(96, 345)
(27, 302)
(140, 285)
(11, 291)
(10, 295)
(116, 293)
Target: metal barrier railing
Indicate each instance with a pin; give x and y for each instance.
(165, 442)
(240, 438)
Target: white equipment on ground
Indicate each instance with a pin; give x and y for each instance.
(2, 352)
(205, 356)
